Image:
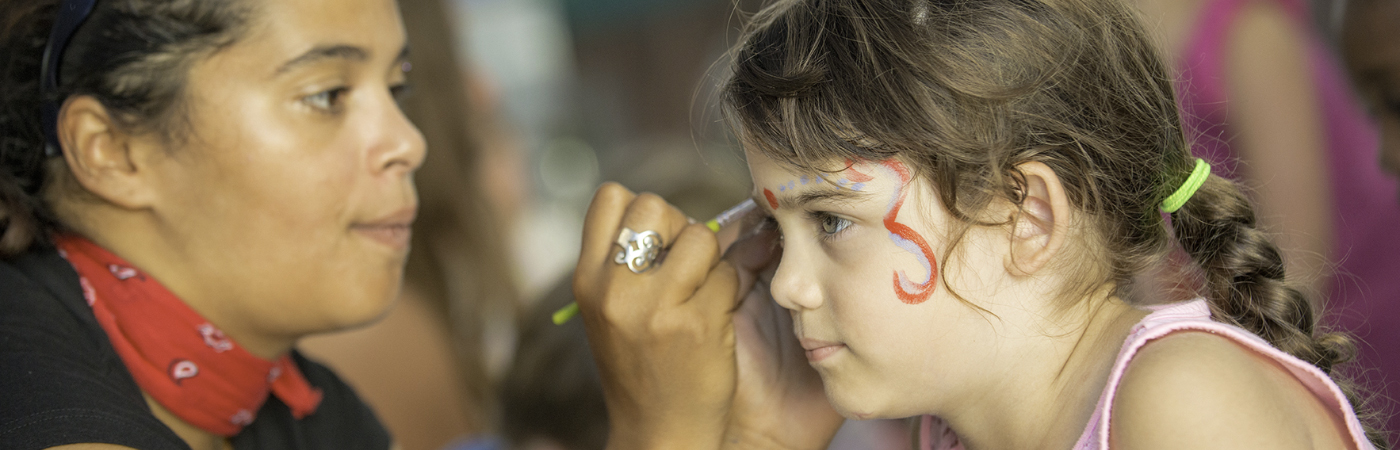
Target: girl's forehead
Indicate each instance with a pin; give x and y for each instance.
(779, 185)
(761, 165)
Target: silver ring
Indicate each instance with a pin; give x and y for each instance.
(639, 250)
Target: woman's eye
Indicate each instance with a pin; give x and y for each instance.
(328, 100)
(832, 224)
(1393, 105)
(401, 91)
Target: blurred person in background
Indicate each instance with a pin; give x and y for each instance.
(1263, 99)
(424, 366)
(552, 397)
(1371, 45)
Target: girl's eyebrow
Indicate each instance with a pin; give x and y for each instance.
(832, 194)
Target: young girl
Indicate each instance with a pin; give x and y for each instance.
(964, 191)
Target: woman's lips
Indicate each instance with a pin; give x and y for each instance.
(394, 229)
(818, 350)
(394, 236)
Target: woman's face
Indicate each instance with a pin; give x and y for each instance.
(289, 203)
(863, 251)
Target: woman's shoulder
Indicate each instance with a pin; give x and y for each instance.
(1201, 389)
(62, 384)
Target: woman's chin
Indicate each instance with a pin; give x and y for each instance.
(360, 310)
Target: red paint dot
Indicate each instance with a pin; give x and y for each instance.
(856, 175)
(772, 200)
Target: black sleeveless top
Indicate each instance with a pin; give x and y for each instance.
(62, 383)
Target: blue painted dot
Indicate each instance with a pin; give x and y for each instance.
(792, 185)
(804, 179)
(857, 186)
(782, 188)
(843, 181)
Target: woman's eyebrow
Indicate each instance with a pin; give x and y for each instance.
(341, 51)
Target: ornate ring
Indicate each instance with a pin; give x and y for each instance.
(639, 250)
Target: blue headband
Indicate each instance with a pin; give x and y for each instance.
(71, 14)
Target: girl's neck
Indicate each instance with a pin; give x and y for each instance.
(1046, 400)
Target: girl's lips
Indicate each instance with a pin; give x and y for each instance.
(820, 350)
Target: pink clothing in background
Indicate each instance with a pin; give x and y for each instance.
(1364, 295)
(1163, 321)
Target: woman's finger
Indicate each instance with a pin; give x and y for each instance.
(690, 259)
(716, 298)
(755, 252)
(648, 226)
(600, 229)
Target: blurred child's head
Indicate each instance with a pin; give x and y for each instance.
(953, 179)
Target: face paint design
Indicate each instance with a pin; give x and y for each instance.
(906, 238)
(855, 182)
(909, 292)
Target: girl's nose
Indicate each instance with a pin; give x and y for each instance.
(794, 287)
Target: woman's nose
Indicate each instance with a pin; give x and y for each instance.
(399, 145)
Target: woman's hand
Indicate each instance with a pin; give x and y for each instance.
(664, 338)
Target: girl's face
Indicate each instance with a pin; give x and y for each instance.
(861, 271)
(288, 207)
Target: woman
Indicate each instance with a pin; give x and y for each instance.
(223, 177)
(226, 177)
(458, 278)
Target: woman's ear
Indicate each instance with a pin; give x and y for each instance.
(1040, 226)
(103, 158)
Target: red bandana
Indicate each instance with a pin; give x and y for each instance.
(177, 357)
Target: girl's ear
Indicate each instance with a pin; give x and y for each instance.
(102, 157)
(1040, 226)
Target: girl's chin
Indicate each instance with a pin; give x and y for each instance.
(856, 408)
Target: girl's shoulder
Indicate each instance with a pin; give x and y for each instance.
(1199, 389)
(1182, 380)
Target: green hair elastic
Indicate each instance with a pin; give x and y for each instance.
(1188, 188)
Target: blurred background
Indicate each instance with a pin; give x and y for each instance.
(527, 106)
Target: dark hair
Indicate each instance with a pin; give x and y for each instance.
(553, 390)
(131, 55)
(967, 90)
(458, 260)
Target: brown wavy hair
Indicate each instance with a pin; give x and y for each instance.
(967, 90)
(131, 55)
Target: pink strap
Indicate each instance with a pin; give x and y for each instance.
(1195, 316)
(934, 434)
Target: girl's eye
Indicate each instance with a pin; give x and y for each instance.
(832, 225)
(328, 100)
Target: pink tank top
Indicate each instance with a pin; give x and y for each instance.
(1194, 315)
